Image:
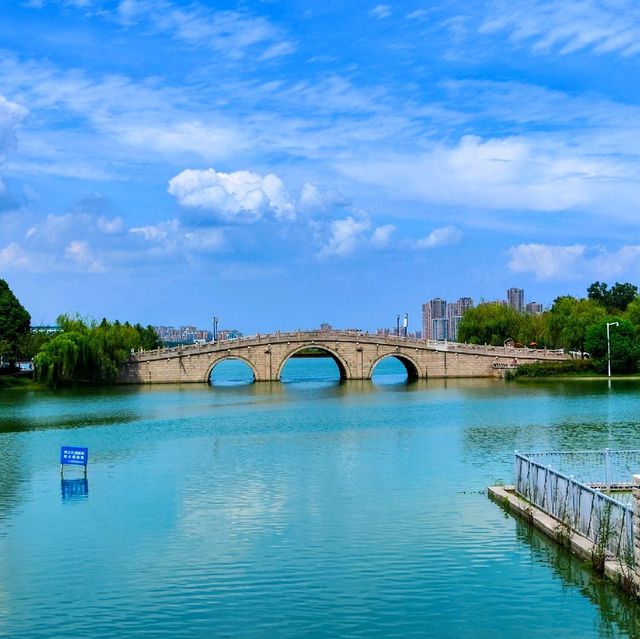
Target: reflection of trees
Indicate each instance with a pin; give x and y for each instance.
(580, 415)
(11, 453)
(18, 424)
(618, 612)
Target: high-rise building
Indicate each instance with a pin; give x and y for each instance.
(434, 319)
(534, 308)
(515, 297)
(455, 311)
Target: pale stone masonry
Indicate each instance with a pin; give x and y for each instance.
(355, 354)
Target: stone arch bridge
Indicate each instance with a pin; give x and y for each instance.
(356, 355)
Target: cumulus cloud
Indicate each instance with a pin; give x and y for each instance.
(112, 226)
(80, 253)
(315, 199)
(546, 261)
(233, 197)
(154, 232)
(577, 261)
(13, 257)
(344, 236)
(354, 232)
(382, 236)
(171, 238)
(443, 236)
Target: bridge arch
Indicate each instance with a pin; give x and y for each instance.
(410, 365)
(343, 367)
(228, 357)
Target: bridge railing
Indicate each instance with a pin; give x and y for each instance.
(442, 346)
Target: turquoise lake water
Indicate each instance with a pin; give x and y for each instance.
(307, 508)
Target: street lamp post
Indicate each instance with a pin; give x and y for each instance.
(609, 347)
(215, 329)
(398, 325)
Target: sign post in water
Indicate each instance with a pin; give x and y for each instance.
(73, 456)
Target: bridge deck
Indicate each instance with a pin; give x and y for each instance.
(322, 337)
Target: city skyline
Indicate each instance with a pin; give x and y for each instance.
(280, 163)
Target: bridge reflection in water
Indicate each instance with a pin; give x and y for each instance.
(356, 355)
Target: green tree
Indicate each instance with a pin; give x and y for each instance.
(569, 320)
(15, 321)
(84, 351)
(621, 295)
(599, 293)
(492, 323)
(150, 339)
(616, 298)
(632, 314)
(625, 346)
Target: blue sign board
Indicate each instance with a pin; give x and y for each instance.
(74, 455)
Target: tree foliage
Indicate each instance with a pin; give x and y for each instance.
(623, 339)
(572, 323)
(85, 351)
(616, 298)
(15, 321)
(569, 320)
(494, 323)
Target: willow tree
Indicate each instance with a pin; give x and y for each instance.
(84, 351)
(570, 319)
(492, 323)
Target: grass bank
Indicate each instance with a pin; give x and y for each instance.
(19, 382)
(572, 367)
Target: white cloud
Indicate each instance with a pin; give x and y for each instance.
(13, 257)
(154, 232)
(344, 236)
(546, 261)
(172, 238)
(230, 33)
(233, 197)
(513, 173)
(80, 253)
(11, 114)
(381, 11)
(577, 261)
(110, 226)
(443, 236)
(205, 240)
(207, 140)
(569, 26)
(315, 199)
(382, 236)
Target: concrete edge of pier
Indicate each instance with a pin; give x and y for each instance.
(553, 528)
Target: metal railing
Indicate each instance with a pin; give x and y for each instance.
(605, 469)
(584, 509)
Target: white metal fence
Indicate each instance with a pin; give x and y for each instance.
(584, 509)
(603, 468)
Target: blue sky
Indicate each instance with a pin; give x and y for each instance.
(280, 164)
